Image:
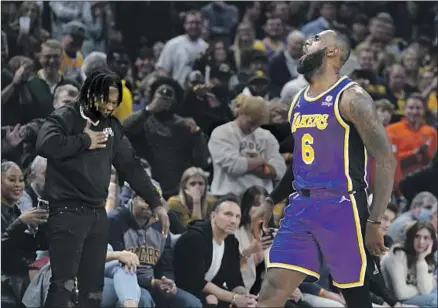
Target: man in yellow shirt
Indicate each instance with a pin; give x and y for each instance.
(118, 61)
(74, 35)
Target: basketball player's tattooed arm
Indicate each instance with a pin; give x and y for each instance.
(358, 107)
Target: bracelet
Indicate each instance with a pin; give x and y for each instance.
(374, 222)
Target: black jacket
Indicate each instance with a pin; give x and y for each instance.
(18, 248)
(77, 174)
(193, 256)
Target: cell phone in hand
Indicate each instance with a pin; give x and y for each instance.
(43, 204)
(270, 232)
(24, 22)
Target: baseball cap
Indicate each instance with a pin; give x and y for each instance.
(74, 28)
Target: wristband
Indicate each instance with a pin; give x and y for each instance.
(374, 222)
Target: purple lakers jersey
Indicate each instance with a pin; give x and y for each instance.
(329, 152)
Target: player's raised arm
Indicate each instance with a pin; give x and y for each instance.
(359, 108)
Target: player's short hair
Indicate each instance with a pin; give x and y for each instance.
(227, 198)
(343, 43)
(253, 106)
(385, 105)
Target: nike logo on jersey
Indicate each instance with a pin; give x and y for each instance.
(343, 198)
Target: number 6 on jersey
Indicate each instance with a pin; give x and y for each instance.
(307, 151)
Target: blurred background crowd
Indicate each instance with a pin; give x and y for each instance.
(229, 71)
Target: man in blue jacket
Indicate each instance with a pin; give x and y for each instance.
(134, 228)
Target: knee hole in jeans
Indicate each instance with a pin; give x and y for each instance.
(211, 300)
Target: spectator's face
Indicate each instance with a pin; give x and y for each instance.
(258, 200)
(193, 25)
(425, 80)
(196, 183)
(64, 98)
(274, 28)
(141, 209)
(258, 65)
(387, 218)
(247, 124)
(328, 11)
(120, 64)
(414, 110)
(359, 31)
(366, 60)
(295, 47)
(50, 59)
(220, 54)
(281, 11)
(31, 10)
(254, 11)
(73, 43)
(384, 116)
(144, 66)
(107, 108)
(227, 216)
(422, 240)
(245, 35)
(259, 88)
(12, 184)
(377, 48)
(410, 62)
(381, 30)
(157, 49)
(424, 211)
(397, 78)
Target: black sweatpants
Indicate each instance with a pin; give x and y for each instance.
(78, 238)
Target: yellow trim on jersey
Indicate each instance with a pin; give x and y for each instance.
(346, 137)
(312, 99)
(292, 268)
(294, 101)
(361, 247)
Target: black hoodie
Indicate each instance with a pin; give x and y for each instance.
(193, 254)
(76, 174)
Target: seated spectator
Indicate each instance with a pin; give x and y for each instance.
(19, 244)
(274, 40)
(65, 95)
(252, 244)
(35, 184)
(414, 142)
(244, 154)
(222, 18)
(216, 261)
(133, 228)
(259, 85)
(396, 90)
(192, 202)
(388, 217)
(408, 268)
(421, 208)
(120, 283)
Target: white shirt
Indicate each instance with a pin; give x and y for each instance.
(216, 261)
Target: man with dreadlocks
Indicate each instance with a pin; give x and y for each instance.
(81, 141)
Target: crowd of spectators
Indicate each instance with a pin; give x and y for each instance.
(207, 113)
